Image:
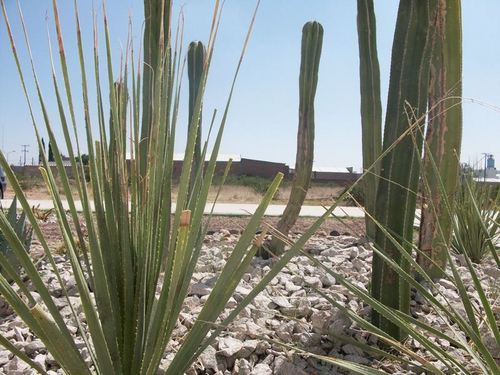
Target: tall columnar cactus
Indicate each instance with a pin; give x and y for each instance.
(443, 138)
(195, 61)
(371, 108)
(312, 41)
(156, 46)
(396, 198)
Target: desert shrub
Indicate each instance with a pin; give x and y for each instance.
(23, 231)
(477, 227)
(356, 195)
(258, 184)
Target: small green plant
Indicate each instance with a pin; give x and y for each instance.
(23, 231)
(476, 222)
(357, 196)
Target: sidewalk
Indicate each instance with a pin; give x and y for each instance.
(237, 209)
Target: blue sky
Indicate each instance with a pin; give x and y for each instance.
(263, 117)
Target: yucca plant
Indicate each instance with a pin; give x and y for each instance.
(134, 267)
(476, 222)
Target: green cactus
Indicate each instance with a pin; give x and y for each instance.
(156, 46)
(371, 107)
(312, 41)
(195, 62)
(23, 231)
(396, 198)
(443, 138)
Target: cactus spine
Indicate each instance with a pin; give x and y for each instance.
(195, 61)
(371, 108)
(312, 41)
(443, 138)
(396, 199)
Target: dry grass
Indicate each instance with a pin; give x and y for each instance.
(320, 193)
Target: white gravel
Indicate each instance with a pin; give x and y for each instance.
(289, 311)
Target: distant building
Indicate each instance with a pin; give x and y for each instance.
(345, 174)
(491, 171)
(267, 169)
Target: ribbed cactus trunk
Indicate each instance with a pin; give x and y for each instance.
(443, 140)
(157, 14)
(371, 107)
(195, 62)
(312, 41)
(396, 199)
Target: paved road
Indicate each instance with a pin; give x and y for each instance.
(239, 209)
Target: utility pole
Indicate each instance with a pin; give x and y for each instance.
(24, 150)
(486, 154)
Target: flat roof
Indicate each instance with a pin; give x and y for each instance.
(331, 169)
(179, 156)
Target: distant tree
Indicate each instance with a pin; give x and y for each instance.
(51, 154)
(40, 153)
(84, 158)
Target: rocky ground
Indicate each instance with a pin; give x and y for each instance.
(291, 310)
